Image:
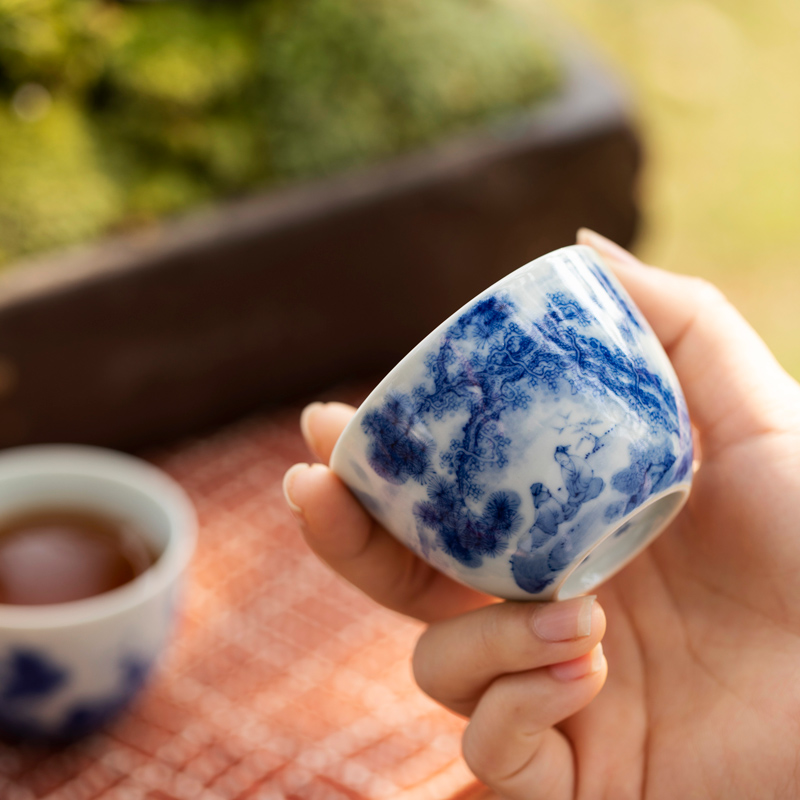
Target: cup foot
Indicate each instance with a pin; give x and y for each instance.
(622, 543)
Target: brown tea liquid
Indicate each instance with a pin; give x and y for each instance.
(60, 555)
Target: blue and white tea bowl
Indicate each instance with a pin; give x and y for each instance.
(534, 443)
(69, 668)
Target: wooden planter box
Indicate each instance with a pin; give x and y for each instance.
(147, 337)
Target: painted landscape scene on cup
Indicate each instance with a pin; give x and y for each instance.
(464, 432)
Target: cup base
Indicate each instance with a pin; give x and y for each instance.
(622, 543)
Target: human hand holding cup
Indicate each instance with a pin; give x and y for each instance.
(701, 631)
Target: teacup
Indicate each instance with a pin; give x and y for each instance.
(533, 443)
(68, 668)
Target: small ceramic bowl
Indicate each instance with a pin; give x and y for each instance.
(534, 443)
(68, 668)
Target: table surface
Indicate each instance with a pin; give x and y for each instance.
(282, 681)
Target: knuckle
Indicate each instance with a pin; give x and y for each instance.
(477, 756)
(517, 759)
(511, 696)
(705, 293)
(408, 585)
(505, 637)
(422, 665)
(490, 634)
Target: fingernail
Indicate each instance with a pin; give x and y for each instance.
(305, 416)
(564, 621)
(607, 248)
(288, 480)
(579, 667)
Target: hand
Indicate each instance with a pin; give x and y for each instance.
(702, 698)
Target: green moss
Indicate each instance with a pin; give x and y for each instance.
(347, 79)
(159, 107)
(53, 189)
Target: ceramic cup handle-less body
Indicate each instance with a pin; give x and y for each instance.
(68, 668)
(535, 442)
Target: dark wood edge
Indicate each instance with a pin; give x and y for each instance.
(150, 336)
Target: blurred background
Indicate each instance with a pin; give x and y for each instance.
(118, 115)
(718, 97)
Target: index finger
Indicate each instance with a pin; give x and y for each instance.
(734, 387)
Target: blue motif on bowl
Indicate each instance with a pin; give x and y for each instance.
(524, 431)
(38, 700)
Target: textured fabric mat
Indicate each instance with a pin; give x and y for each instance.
(281, 682)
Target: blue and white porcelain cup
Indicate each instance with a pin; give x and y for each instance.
(533, 443)
(66, 669)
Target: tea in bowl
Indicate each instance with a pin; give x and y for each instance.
(93, 548)
(533, 443)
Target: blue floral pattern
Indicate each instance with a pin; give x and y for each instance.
(479, 384)
(29, 678)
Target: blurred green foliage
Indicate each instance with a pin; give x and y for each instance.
(718, 104)
(113, 114)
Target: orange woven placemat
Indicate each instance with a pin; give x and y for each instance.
(282, 681)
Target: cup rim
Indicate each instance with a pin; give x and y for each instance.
(424, 343)
(126, 470)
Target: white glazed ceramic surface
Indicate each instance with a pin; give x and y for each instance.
(66, 669)
(534, 442)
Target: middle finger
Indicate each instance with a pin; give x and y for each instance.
(457, 659)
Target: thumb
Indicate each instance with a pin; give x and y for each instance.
(734, 387)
